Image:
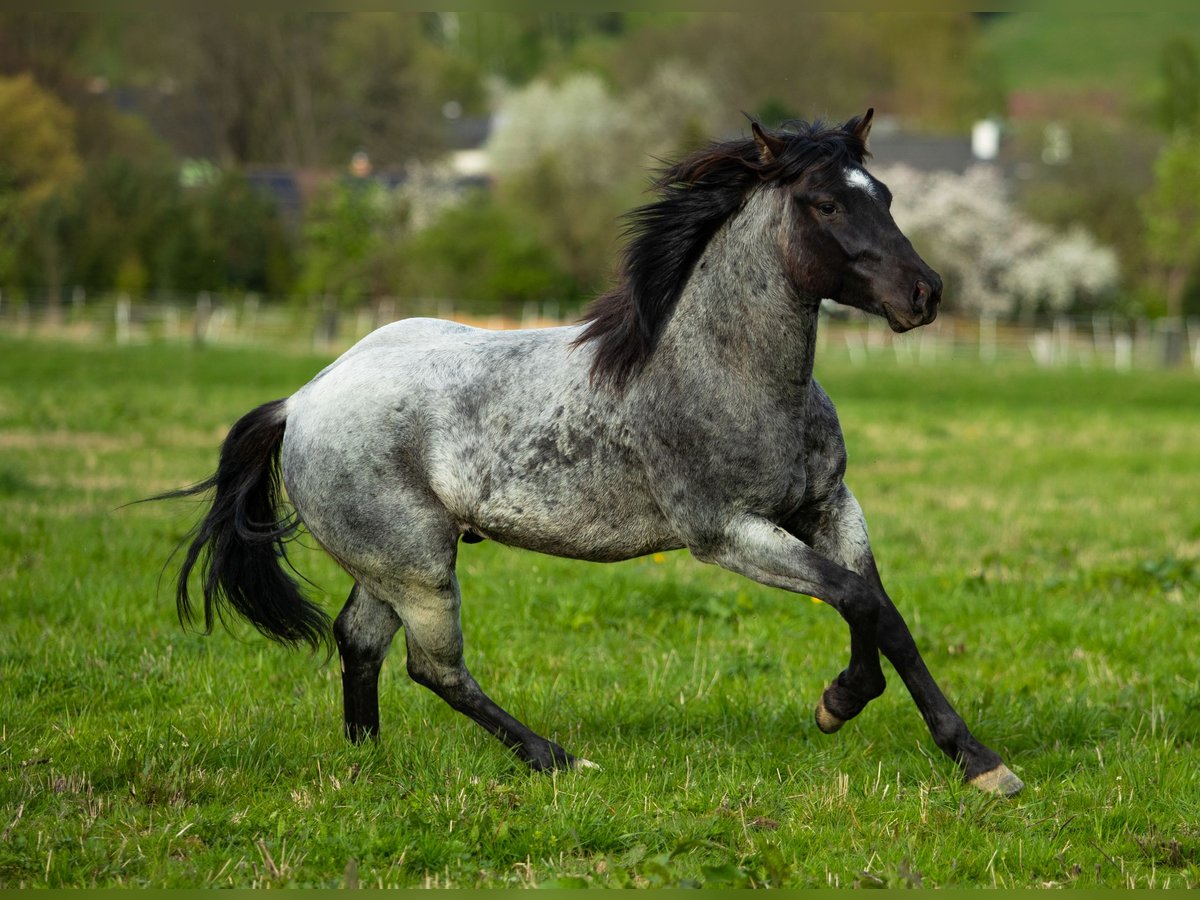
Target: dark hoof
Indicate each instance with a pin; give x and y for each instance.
(999, 780)
(549, 758)
(827, 721)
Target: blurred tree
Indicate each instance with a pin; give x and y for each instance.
(1109, 172)
(994, 259)
(814, 64)
(123, 216)
(1177, 105)
(572, 157)
(47, 45)
(301, 88)
(1172, 217)
(345, 233)
(235, 240)
(38, 167)
(37, 141)
(243, 87)
(518, 46)
(398, 79)
(484, 256)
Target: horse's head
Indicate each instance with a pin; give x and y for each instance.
(842, 242)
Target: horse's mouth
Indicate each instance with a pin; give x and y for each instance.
(901, 324)
(898, 324)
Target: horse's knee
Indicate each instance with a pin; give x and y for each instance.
(439, 675)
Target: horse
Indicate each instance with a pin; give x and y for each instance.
(681, 412)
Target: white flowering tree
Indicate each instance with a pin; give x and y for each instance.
(574, 155)
(996, 260)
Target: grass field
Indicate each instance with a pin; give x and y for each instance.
(1040, 529)
(1118, 51)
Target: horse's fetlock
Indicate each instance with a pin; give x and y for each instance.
(875, 688)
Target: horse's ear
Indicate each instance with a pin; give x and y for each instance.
(769, 147)
(860, 126)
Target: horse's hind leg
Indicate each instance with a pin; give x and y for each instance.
(433, 634)
(363, 630)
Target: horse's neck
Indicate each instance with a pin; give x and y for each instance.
(739, 317)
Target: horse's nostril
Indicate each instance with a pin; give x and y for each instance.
(920, 295)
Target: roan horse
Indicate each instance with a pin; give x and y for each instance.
(681, 413)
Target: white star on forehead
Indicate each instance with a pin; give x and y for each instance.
(858, 178)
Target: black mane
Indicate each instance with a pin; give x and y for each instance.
(666, 237)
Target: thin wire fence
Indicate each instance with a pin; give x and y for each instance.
(1097, 341)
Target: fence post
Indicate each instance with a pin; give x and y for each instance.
(249, 315)
(385, 312)
(362, 322)
(987, 337)
(327, 324)
(1171, 330)
(122, 316)
(1122, 352)
(200, 322)
(529, 313)
(856, 347)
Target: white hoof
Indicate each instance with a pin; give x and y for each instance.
(999, 780)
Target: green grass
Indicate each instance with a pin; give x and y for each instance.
(1040, 530)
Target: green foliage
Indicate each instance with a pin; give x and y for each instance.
(235, 240)
(1172, 214)
(1177, 106)
(1038, 528)
(819, 64)
(123, 214)
(399, 80)
(1173, 208)
(484, 255)
(1101, 186)
(345, 233)
(37, 141)
(38, 163)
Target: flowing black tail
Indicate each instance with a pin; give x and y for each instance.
(241, 543)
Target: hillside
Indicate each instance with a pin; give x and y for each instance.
(1116, 52)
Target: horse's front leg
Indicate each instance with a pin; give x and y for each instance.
(840, 532)
(823, 567)
(761, 550)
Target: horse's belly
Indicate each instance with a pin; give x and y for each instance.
(594, 517)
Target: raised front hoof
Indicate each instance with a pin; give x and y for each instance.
(827, 721)
(1000, 781)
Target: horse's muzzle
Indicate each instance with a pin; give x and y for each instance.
(922, 305)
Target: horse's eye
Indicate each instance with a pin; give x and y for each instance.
(827, 209)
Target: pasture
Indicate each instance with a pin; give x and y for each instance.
(1039, 529)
